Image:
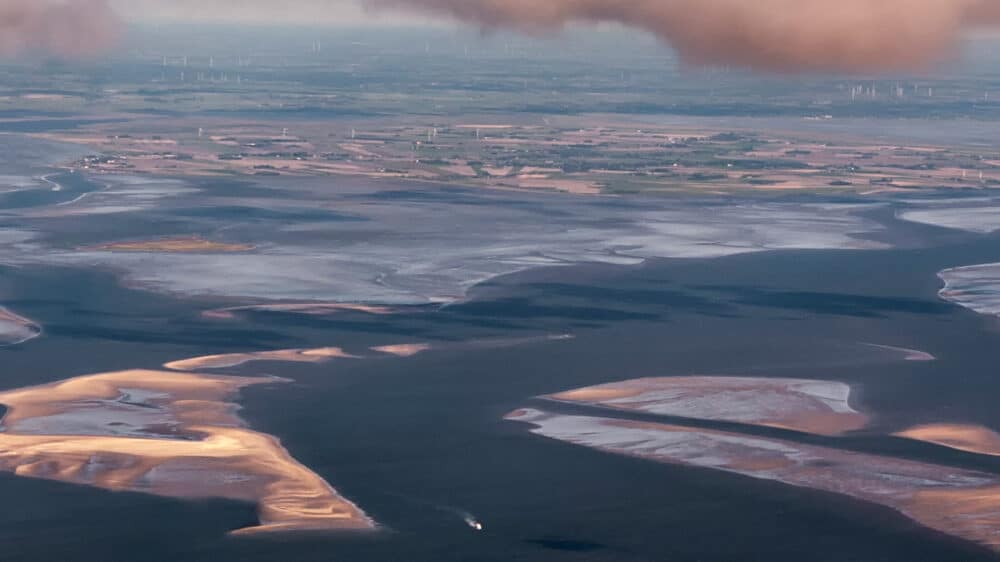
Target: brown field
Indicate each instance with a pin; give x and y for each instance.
(618, 155)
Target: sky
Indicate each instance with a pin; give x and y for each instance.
(770, 35)
(333, 12)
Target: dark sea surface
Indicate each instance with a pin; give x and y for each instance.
(419, 442)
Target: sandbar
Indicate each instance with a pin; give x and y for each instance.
(905, 353)
(15, 329)
(962, 503)
(969, 438)
(182, 245)
(309, 308)
(403, 349)
(811, 406)
(974, 287)
(319, 355)
(168, 434)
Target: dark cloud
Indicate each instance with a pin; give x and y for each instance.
(63, 27)
(794, 35)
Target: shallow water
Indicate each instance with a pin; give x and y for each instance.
(416, 440)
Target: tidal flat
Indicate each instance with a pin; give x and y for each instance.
(458, 324)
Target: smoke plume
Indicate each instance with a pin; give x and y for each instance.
(787, 35)
(62, 27)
